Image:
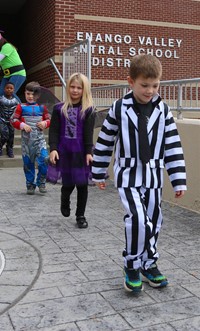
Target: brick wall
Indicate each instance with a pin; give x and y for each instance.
(187, 64)
(49, 26)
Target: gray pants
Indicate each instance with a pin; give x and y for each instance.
(6, 134)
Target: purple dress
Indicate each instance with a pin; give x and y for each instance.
(72, 137)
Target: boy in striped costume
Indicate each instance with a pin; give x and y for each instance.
(138, 169)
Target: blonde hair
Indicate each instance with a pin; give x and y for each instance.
(86, 99)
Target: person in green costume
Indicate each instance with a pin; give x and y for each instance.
(11, 65)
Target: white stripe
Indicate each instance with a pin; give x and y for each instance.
(3, 262)
(125, 135)
(172, 139)
(174, 164)
(174, 151)
(178, 175)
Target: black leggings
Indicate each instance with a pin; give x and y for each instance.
(82, 195)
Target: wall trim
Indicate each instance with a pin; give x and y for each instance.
(136, 22)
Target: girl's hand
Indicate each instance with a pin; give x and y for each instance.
(89, 159)
(179, 194)
(42, 125)
(54, 157)
(27, 128)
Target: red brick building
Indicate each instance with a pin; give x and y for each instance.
(169, 29)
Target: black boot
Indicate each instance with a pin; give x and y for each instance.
(65, 204)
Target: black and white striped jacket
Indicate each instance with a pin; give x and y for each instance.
(120, 130)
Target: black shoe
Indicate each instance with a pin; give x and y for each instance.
(65, 207)
(10, 152)
(81, 222)
(1, 151)
(65, 203)
(65, 211)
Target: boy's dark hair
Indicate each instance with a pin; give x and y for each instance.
(33, 87)
(9, 83)
(145, 65)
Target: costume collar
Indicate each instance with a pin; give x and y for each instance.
(129, 100)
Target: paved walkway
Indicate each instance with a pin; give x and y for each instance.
(56, 277)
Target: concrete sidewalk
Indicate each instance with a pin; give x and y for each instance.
(57, 277)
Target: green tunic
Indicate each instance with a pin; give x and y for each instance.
(11, 59)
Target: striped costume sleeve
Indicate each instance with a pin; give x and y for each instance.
(174, 159)
(104, 146)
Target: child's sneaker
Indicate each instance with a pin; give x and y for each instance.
(42, 188)
(30, 190)
(10, 153)
(154, 277)
(132, 280)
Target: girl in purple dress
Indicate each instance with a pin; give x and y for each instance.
(71, 143)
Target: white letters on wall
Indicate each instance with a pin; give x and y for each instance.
(110, 47)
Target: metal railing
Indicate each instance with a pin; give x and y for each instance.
(180, 95)
(77, 58)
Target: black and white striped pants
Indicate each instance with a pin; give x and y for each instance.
(143, 222)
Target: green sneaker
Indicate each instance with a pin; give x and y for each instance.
(132, 280)
(154, 277)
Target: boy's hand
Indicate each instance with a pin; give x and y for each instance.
(179, 194)
(42, 125)
(89, 159)
(54, 157)
(27, 128)
(101, 185)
